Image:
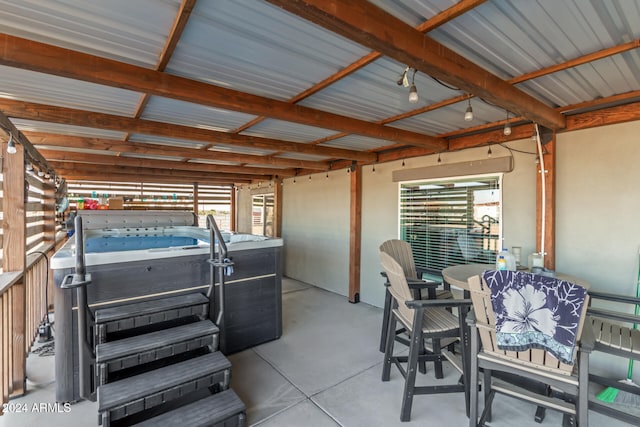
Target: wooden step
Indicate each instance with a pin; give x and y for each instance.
(220, 409)
(135, 394)
(129, 316)
(141, 349)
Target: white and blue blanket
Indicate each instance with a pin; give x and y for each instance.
(534, 311)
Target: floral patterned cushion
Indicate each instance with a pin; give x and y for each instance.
(534, 311)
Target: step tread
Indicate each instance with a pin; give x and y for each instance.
(204, 412)
(110, 314)
(112, 395)
(138, 344)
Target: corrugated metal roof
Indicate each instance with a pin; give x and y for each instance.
(55, 128)
(190, 114)
(288, 131)
(233, 44)
(251, 46)
(241, 150)
(63, 92)
(125, 30)
(152, 156)
(159, 140)
(372, 93)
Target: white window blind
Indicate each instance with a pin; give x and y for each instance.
(451, 222)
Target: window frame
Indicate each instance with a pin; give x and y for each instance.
(498, 176)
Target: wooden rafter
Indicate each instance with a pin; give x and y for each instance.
(373, 27)
(35, 56)
(65, 141)
(260, 173)
(69, 116)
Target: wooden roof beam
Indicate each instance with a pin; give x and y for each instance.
(370, 26)
(36, 56)
(98, 159)
(67, 141)
(70, 116)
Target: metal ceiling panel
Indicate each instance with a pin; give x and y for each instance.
(357, 142)
(159, 140)
(598, 79)
(372, 93)
(130, 31)
(55, 128)
(190, 114)
(241, 150)
(42, 88)
(511, 38)
(213, 162)
(152, 157)
(77, 150)
(278, 129)
(258, 48)
(301, 156)
(451, 118)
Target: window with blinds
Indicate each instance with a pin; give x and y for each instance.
(451, 222)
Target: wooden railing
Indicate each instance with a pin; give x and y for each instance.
(25, 300)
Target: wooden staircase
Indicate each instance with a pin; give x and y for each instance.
(157, 363)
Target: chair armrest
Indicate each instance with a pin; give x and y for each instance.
(587, 339)
(450, 302)
(422, 284)
(432, 272)
(614, 315)
(614, 297)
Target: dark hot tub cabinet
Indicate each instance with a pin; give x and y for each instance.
(124, 269)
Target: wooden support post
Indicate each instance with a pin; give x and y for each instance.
(233, 208)
(550, 204)
(196, 210)
(355, 232)
(14, 257)
(277, 207)
(49, 208)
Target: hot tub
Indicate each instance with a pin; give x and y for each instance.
(134, 256)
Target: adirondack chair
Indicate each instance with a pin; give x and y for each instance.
(566, 380)
(423, 320)
(401, 251)
(614, 334)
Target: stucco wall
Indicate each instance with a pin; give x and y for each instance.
(597, 230)
(316, 218)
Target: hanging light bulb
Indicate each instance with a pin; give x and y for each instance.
(468, 114)
(489, 152)
(40, 173)
(373, 168)
(439, 159)
(402, 162)
(413, 94)
(11, 145)
(309, 177)
(507, 127)
(29, 167)
(413, 91)
(327, 176)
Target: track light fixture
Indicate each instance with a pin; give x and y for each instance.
(413, 91)
(507, 127)
(468, 114)
(11, 145)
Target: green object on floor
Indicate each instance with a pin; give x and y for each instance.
(612, 394)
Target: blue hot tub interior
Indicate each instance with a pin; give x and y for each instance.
(108, 243)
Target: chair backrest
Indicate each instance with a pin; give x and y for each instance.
(398, 288)
(401, 252)
(486, 325)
